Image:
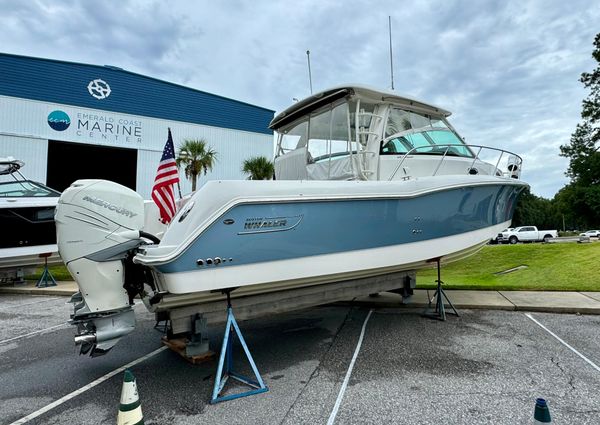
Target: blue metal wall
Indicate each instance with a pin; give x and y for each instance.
(66, 82)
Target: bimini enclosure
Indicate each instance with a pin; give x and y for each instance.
(360, 133)
(99, 223)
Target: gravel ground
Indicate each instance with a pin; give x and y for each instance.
(482, 367)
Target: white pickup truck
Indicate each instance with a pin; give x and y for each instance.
(526, 234)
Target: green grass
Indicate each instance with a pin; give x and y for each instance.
(59, 271)
(550, 267)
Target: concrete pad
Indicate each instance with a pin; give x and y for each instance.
(391, 300)
(63, 288)
(420, 298)
(594, 295)
(492, 300)
(460, 299)
(556, 302)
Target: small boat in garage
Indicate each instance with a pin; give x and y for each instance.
(367, 183)
(27, 217)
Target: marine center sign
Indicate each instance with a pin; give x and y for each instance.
(109, 127)
(95, 127)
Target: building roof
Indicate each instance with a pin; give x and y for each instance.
(67, 83)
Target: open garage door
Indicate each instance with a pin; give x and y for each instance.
(68, 162)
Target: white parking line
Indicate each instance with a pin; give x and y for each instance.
(591, 363)
(41, 331)
(85, 388)
(338, 402)
(35, 302)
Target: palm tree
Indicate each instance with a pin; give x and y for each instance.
(259, 168)
(196, 157)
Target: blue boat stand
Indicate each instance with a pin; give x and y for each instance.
(46, 279)
(226, 363)
(439, 295)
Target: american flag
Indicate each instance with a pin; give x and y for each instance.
(166, 176)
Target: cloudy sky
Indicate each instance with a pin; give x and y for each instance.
(508, 69)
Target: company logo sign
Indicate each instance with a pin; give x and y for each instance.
(99, 89)
(59, 120)
(109, 206)
(97, 128)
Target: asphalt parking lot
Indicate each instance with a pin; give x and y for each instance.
(482, 367)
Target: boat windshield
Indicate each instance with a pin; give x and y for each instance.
(26, 189)
(407, 130)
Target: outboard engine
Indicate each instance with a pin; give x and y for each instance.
(98, 226)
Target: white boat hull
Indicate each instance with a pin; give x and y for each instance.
(11, 258)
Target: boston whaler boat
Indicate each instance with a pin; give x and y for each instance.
(368, 183)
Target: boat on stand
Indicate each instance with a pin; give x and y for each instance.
(368, 184)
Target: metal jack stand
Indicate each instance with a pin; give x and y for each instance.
(439, 295)
(46, 279)
(226, 360)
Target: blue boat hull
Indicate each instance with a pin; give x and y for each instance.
(254, 234)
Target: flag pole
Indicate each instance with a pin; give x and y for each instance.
(178, 187)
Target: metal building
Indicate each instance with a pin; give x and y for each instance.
(69, 120)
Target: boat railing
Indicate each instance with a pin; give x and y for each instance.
(513, 168)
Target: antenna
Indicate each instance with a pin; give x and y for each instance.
(309, 73)
(391, 59)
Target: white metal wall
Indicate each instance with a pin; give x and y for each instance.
(30, 118)
(33, 152)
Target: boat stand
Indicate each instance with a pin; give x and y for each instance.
(439, 312)
(46, 279)
(226, 362)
